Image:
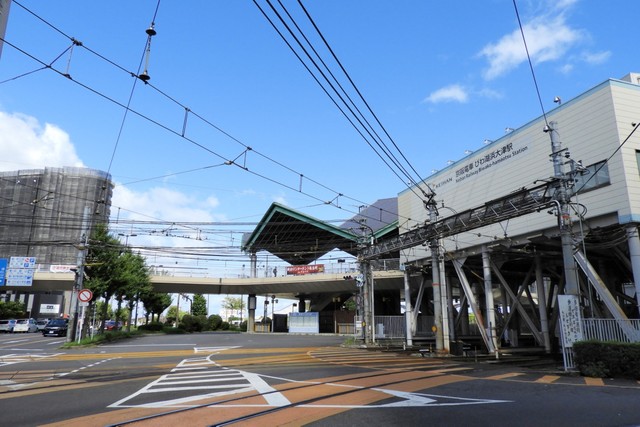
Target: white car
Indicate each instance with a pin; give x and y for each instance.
(25, 325)
(7, 325)
(41, 323)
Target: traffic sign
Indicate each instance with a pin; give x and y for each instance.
(85, 295)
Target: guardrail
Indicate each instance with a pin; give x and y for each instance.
(611, 329)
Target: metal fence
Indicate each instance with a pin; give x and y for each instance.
(392, 327)
(389, 326)
(611, 330)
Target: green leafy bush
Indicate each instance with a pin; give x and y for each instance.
(607, 359)
(153, 326)
(213, 322)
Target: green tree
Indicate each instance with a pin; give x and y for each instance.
(199, 305)
(11, 309)
(235, 304)
(155, 303)
(136, 281)
(171, 315)
(101, 266)
(114, 271)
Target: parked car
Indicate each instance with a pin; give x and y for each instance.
(7, 325)
(110, 325)
(25, 325)
(41, 323)
(56, 327)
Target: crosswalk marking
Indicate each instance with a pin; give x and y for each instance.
(198, 378)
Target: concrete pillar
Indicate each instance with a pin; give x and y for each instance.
(488, 294)
(634, 257)
(408, 317)
(251, 308)
(437, 299)
(446, 303)
(542, 306)
(253, 264)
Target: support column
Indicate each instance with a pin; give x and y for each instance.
(437, 298)
(253, 265)
(634, 255)
(408, 318)
(366, 299)
(542, 306)
(251, 308)
(446, 303)
(488, 295)
(451, 311)
(372, 305)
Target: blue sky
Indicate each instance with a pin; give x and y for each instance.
(440, 76)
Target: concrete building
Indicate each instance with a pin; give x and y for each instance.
(508, 272)
(44, 215)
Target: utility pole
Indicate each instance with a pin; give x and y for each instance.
(73, 332)
(366, 274)
(435, 278)
(564, 216)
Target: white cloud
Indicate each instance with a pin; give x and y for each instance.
(567, 69)
(596, 57)
(489, 93)
(451, 93)
(26, 144)
(212, 202)
(547, 40)
(161, 203)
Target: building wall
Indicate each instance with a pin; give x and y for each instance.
(591, 127)
(43, 211)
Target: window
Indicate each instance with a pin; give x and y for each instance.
(596, 176)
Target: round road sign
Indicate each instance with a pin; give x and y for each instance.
(85, 295)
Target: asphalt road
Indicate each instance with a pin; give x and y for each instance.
(278, 379)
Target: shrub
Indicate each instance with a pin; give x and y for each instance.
(214, 321)
(607, 359)
(224, 326)
(172, 330)
(153, 326)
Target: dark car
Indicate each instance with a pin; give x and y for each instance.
(57, 327)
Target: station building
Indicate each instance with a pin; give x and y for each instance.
(504, 277)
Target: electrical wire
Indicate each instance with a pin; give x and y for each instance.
(166, 128)
(350, 118)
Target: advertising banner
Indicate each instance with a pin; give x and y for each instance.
(297, 270)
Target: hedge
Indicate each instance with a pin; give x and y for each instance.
(607, 359)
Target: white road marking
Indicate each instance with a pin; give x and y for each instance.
(205, 377)
(197, 379)
(64, 374)
(213, 349)
(11, 359)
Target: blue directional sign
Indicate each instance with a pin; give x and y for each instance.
(3, 271)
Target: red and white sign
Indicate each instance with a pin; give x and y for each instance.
(85, 295)
(298, 270)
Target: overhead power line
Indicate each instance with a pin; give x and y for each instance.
(309, 56)
(300, 177)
